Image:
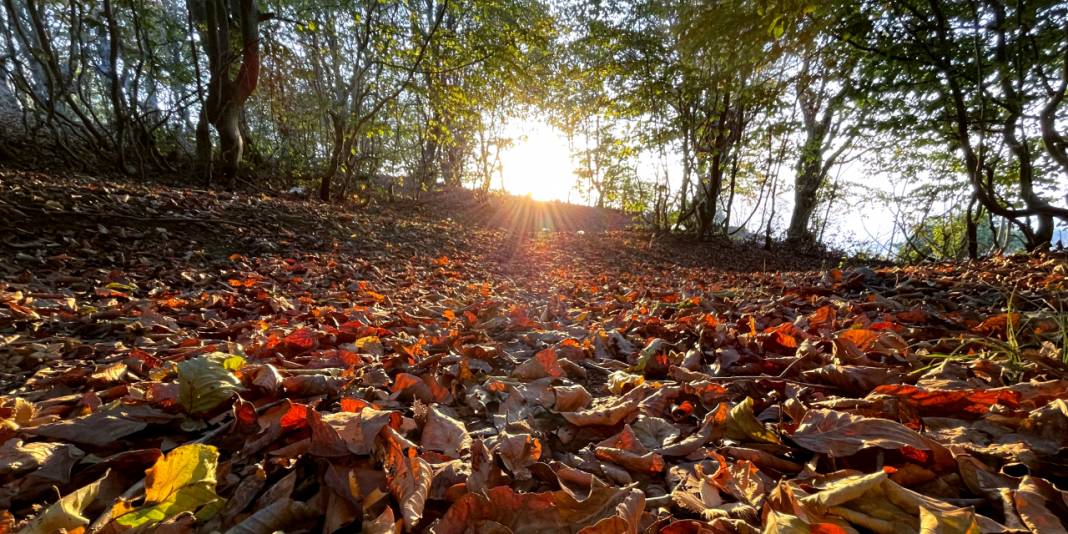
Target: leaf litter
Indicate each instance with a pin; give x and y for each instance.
(215, 362)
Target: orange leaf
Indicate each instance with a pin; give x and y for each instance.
(863, 339)
(935, 402)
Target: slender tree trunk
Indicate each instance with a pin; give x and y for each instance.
(118, 109)
(336, 154)
(730, 195)
(827, 214)
(231, 145)
(684, 188)
(204, 148)
(972, 230)
(771, 215)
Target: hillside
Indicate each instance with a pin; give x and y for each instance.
(503, 365)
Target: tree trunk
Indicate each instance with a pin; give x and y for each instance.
(730, 195)
(805, 189)
(810, 167)
(118, 109)
(227, 96)
(972, 230)
(336, 154)
(771, 216)
(203, 137)
(230, 143)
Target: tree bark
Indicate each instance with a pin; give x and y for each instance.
(339, 124)
(227, 96)
(204, 148)
(806, 186)
(118, 109)
(972, 230)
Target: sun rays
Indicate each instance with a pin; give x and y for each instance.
(539, 163)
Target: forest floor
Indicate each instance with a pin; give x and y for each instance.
(174, 360)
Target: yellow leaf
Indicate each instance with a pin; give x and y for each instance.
(959, 521)
(371, 345)
(66, 513)
(23, 412)
(741, 424)
(619, 380)
(183, 480)
(186, 499)
(184, 466)
(205, 382)
(121, 507)
(233, 362)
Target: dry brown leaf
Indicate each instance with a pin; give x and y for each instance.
(627, 519)
(606, 415)
(275, 516)
(518, 452)
(409, 482)
(841, 434)
(542, 365)
(342, 433)
(530, 513)
(444, 434)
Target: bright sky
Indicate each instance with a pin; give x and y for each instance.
(539, 163)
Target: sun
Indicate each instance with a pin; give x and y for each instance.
(539, 163)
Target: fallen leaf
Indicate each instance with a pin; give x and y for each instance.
(739, 423)
(66, 513)
(181, 481)
(627, 519)
(606, 415)
(530, 513)
(444, 434)
(542, 365)
(409, 482)
(518, 452)
(841, 434)
(205, 382)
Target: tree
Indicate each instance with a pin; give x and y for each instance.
(486, 62)
(227, 91)
(829, 97)
(362, 66)
(985, 77)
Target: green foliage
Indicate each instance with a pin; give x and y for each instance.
(743, 98)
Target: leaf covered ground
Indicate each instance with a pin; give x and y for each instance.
(192, 361)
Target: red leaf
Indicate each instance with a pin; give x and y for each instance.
(295, 417)
(936, 402)
(300, 340)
